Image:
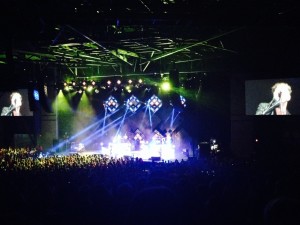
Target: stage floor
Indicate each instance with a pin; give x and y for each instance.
(142, 154)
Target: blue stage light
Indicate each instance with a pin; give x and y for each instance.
(133, 103)
(154, 103)
(36, 95)
(111, 104)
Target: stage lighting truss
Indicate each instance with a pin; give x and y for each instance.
(183, 101)
(133, 103)
(154, 103)
(111, 104)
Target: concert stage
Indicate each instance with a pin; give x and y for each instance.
(146, 152)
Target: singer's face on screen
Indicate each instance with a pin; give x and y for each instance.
(16, 99)
(282, 92)
(285, 96)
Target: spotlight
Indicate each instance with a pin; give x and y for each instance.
(128, 89)
(45, 89)
(36, 95)
(177, 101)
(183, 101)
(108, 82)
(214, 146)
(129, 81)
(133, 103)
(93, 83)
(67, 88)
(154, 103)
(119, 82)
(166, 86)
(90, 88)
(111, 104)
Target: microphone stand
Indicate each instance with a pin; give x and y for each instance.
(271, 107)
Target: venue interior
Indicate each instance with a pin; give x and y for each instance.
(146, 112)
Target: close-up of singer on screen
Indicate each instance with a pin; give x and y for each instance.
(15, 105)
(278, 105)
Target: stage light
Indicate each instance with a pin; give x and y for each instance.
(93, 83)
(111, 104)
(84, 83)
(183, 101)
(90, 88)
(214, 146)
(133, 103)
(177, 101)
(36, 95)
(154, 103)
(128, 89)
(140, 81)
(65, 84)
(79, 91)
(74, 83)
(129, 81)
(67, 88)
(45, 89)
(96, 90)
(108, 82)
(166, 86)
(119, 82)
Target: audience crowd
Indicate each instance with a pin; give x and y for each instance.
(96, 189)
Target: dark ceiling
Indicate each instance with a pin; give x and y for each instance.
(143, 37)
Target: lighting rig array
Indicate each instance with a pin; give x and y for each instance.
(154, 103)
(95, 86)
(133, 103)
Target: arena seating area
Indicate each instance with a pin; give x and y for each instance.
(94, 189)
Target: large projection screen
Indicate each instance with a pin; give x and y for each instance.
(261, 99)
(9, 99)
